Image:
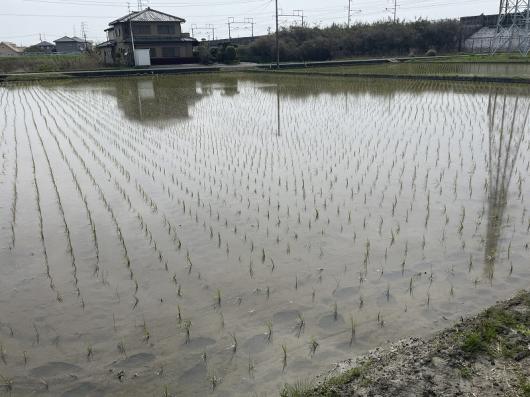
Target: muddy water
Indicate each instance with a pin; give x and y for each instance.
(155, 230)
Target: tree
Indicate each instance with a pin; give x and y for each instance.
(230, 54)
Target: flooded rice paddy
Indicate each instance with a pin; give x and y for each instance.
(482, 69)
(228, 234)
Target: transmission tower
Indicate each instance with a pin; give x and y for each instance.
(513, 27)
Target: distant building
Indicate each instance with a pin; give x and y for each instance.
(46, 47)
(8, 49)
(72, 45)
(480, 34)
(159, 32)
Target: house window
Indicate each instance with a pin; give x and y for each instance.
(168, 52)
(141, 29)
(166, 29)
(152, 52)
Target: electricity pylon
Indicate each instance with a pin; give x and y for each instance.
(513, 27)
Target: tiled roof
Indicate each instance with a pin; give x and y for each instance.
(63, 39)
(148, 15)
(44, 44)
(109, 43)
(67, 39)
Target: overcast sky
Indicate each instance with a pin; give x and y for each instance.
(21, 21)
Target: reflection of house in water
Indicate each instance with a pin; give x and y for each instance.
(507, 119)
(157, 99)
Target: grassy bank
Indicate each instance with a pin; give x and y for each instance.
(485, 356)
(49, 63)
(484, 58)
(426, 68)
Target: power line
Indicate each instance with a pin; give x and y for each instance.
(208, 27)
(394, 10)
(350, 11)
(246, 21)
(296, 14)
(140, 4)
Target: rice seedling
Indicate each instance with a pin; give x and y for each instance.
(213, 380)
(268, 334)
(284, 357)
(7, 383)
(187, 328)
(313, 346)
(300, 324)
(45, 384)
(234, 343)
(37, 334)
(218, 298)
(251, 367)
(3, 354)
(121, 348)
(353, 329)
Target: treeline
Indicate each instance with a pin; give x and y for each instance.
(339, 41)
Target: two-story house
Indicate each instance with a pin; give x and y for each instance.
(159, 32)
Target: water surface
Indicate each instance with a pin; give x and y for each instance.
(346, 213)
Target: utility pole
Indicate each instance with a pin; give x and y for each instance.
(394, 10)
(132, 35)
(277, 40)
(349, 13)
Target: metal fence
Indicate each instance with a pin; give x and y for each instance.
(485, 45)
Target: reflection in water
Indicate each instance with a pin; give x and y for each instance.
(507, 121)
(155, 98)
(278, 107)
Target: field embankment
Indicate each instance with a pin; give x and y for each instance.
(49, 63)
(487, 355)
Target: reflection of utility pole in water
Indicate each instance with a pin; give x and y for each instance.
(278, 107)
(507, 126)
